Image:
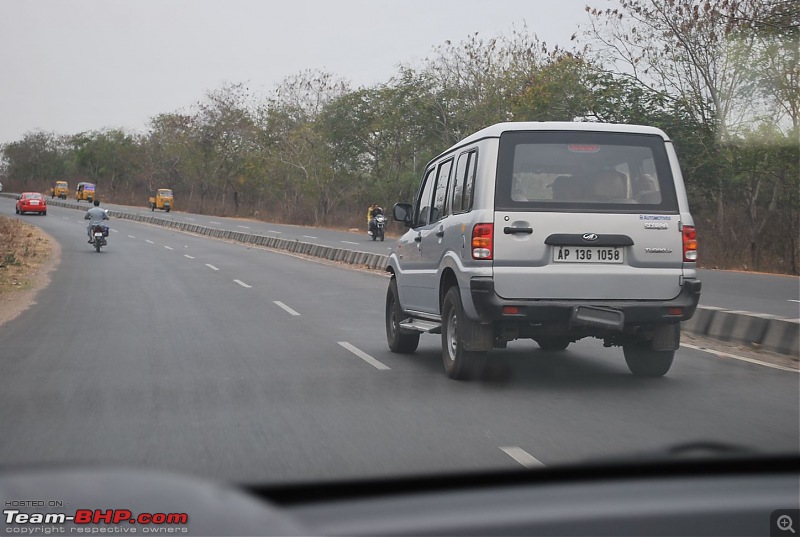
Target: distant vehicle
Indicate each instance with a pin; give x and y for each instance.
(161, 200)
(31, 202)
(86, 192)
(1, 187)
(60, 190)
(552, 232)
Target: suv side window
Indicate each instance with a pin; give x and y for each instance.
(424, 201)
(463, 183)
(440, 198)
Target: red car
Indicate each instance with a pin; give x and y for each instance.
(31, 202)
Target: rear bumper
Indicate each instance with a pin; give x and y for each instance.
(489, 306)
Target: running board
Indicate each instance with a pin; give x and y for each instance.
(422, 325)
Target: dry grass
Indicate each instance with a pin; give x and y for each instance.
(23, 249)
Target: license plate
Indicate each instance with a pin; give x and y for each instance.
(587, 254)
(34, 202)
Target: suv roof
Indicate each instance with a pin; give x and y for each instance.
(494, 131)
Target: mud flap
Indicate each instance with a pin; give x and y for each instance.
(477, 337)
(667, 337)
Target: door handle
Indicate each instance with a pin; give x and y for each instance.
(418, 238)
(440, 232)
(517, 230)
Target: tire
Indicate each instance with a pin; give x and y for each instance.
(152, 207)
(553, 344)
(16, 210)
(44, 213)
(399, 341)
(459, 364)
(97, 245)
(382, 234)
(643, 361)
(166, 209)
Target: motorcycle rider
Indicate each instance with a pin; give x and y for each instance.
(373, 211)
(95, 216)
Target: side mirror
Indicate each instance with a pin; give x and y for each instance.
(403, 212)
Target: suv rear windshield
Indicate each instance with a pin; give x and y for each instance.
(594, 171)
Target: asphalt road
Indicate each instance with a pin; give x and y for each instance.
(174, 351)
(760, 293)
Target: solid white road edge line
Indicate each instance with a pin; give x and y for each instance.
(523, 457)
(364, 356)
(212, 267)
(240, 282)
(742, 358)
(285, 307)
(350, 242)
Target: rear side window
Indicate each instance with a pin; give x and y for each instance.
(463, 182)
(594, 171)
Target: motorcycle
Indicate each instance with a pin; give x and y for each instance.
(378, 227)
(99, 234)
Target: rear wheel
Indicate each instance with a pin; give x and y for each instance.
(459, 363)
(44, 213)
(643, 361)
(399, 340)
(97, 245)
(553, 344)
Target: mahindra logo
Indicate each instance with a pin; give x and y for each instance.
(590, 236)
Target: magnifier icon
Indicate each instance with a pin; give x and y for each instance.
(785, 523)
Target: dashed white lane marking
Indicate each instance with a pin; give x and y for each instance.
(284, 307)
(114, 230)
(244, 227)
(212, 267)
(131, 237)
(215, 223)
(523, 457)
(309, 237)
(364, 356)
(188, 256)
(350, 242)
(793, 300)
(240, 282)
(742, 358)
(169, 247)
(273, 231)
(148, 240)
(192, 219)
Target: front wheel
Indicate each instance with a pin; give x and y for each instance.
(643, 361)
(459, 363)
(399, 341)
(382, 234)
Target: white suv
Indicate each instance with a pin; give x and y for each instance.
(547, 231)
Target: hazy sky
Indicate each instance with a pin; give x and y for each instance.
(74, 65)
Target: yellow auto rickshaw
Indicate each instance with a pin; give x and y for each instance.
(161, 200)
(85, 192)
(60, 190)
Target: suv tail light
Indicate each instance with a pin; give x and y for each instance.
(482, 241)
(689, 243)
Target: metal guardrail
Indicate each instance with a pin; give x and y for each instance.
(769, 332)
